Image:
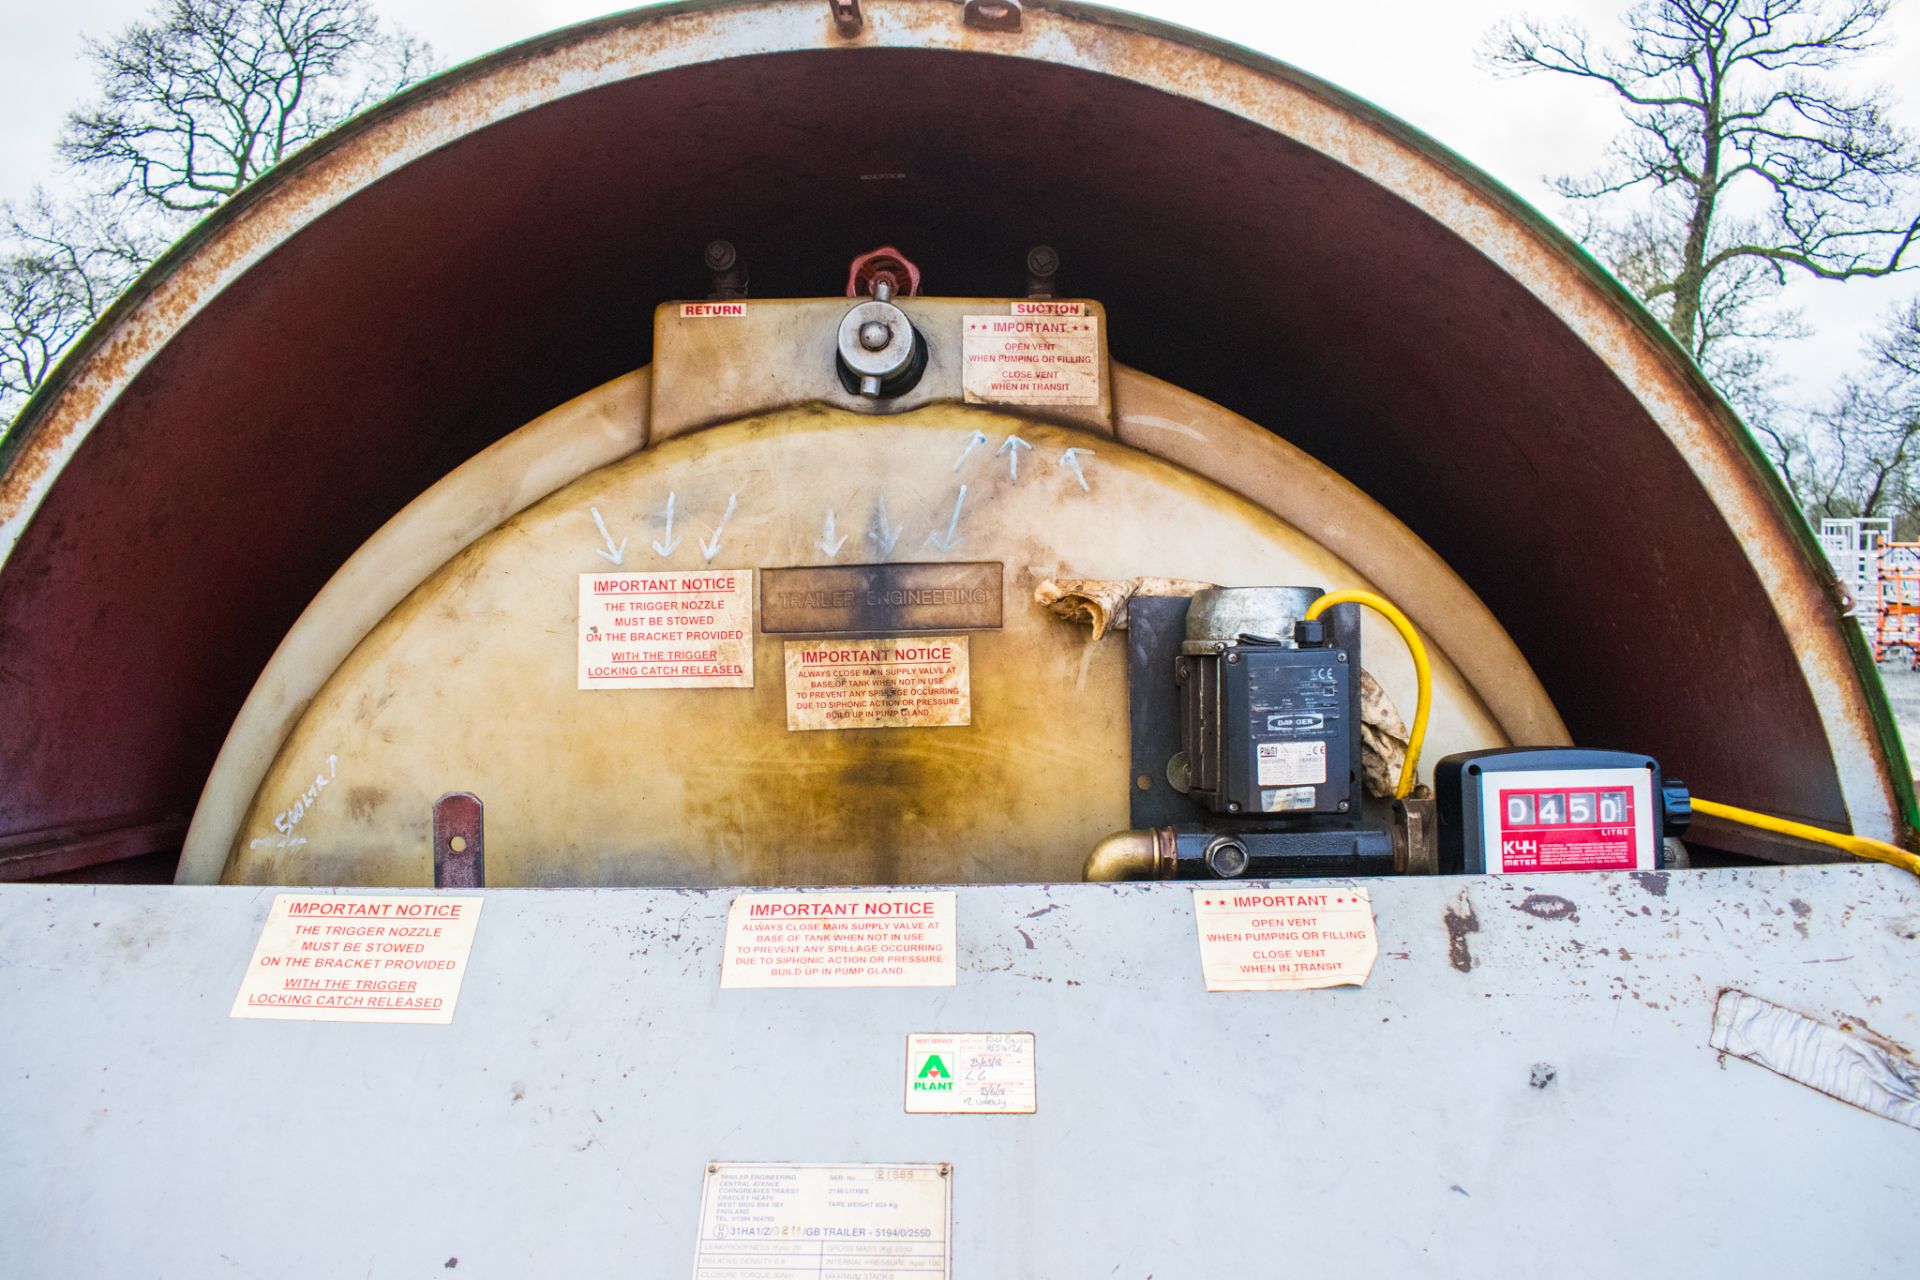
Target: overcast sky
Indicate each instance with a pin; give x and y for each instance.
(1415, 58)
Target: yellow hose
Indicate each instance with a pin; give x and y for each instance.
(1421, 669)
(1858, 846)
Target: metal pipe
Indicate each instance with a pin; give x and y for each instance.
(1129, 855)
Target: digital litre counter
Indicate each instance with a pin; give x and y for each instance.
(1534, 809)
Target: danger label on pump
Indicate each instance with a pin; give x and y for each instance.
(667, 630)
(1285, 940)
(840, 940)
(359, 958)
(805, 1221)
(1031, 360)
(895, 682)
(1286, 764)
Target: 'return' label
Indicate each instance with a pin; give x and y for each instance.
(1285, 940)
(1031, 360)
(667, 630)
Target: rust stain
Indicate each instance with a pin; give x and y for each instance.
(1654, 882)
(1548, 906)
(1460, 920)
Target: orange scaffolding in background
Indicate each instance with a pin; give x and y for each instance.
(1897, 606)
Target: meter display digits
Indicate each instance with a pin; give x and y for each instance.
(1523, 811)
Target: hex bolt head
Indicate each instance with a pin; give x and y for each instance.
(721, 255)
(1042, 260)
(1227, 858)
(874, 336)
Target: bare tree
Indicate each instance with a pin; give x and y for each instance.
(205, 95)
(1752, 160)
(194, 102)
(1862, 457)
(62, 264)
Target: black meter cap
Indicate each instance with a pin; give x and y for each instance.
(1676, 807)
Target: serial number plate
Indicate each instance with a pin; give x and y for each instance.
(891, 598)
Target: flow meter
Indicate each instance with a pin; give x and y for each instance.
(1524, 810)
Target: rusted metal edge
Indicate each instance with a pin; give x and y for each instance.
(58, 850)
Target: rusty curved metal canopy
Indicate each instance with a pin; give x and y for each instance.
(492, 243)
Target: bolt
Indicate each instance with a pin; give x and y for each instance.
(1042, 260)
(1233, 657)
(1233, 806)
(874, 336)
(1343, 657)
(1343, 806)
(721, 255)
(1227, 858)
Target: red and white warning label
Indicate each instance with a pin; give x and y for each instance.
(902, 682)
(1569, 820)
(1024, 307)
(1018, 359)
(667, 630)
(840, 940)
(712, 310)
(1285, 940)
(359, 958)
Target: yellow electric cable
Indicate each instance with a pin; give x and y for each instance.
(1858, 846)
(1422, 670)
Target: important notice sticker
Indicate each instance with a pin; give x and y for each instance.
(840, 940)
(894, 682)
(359, 958)
(1285, 940)
(1031, 360)
(667, 630)
(973, 1073)
(804, 1221)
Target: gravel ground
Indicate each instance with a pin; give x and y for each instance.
(1903, 692)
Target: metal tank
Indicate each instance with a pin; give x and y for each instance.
(409, 292)
(507, 503)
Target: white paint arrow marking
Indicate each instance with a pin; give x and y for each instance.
(974, 441)
(672, 541)
(1012, 449)
(828, 543)
(613, 554)
(949, 542)
(1071, 458)
(709, 549)
(884, 535)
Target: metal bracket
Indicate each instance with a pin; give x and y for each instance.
(846, 16)
(459, 842)
(993, 15)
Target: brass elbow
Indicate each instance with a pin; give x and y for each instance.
(1130, 855)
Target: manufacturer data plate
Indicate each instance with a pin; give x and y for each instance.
(837, 599)
(971, 1073)
(804, 1221)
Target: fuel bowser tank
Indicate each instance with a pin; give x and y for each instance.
(769, 516)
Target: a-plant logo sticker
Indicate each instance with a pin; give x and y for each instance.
(933, 1076)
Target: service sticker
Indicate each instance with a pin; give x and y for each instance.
(1285, 939)
(1031, 360)
(893, 682)
(804, 1221)
(977, 1073)
(667, 630)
